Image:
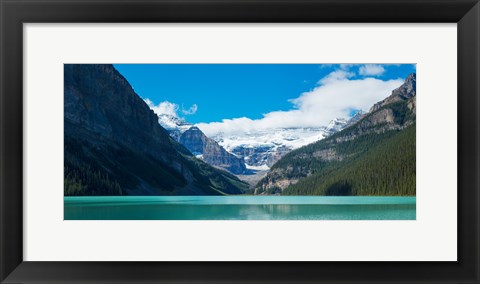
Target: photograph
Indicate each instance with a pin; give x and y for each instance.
(239, 141)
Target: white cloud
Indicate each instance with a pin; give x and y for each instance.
(345, 66)
(165, 107)
(192, 110)
(371, 70)
(170, 108)
(336, 75)
(336, 95)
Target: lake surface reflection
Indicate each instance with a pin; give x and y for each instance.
(239, 208)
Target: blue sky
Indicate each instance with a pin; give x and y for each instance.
(218, 93)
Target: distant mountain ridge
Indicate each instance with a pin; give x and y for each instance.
(373, 156)
(258, 149)
(114, 145)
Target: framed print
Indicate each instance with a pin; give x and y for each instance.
(239, 141)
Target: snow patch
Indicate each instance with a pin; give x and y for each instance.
(258, 168)
(171, 122)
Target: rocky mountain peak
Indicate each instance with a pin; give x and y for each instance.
(210, 151)
(194, 140)
(403, 93)
(408, 88)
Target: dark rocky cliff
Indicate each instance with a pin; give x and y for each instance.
(99, 99)
(211, 152)
(115, 145)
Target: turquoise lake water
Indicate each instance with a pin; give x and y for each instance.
(239, 208)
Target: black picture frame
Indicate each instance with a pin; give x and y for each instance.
(466, 13)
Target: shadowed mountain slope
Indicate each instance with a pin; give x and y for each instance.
(114, 145)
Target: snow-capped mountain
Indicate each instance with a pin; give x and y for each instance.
(174, 125)
(336, 125)
(261, 149)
